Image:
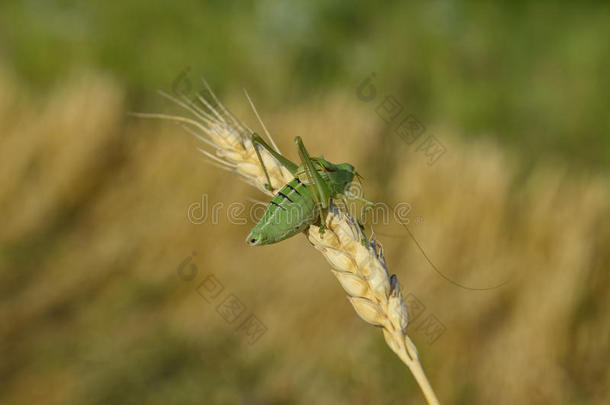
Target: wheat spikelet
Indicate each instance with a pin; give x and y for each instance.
(357, 262)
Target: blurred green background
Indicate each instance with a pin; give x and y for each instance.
(534, 75)
(93, 200)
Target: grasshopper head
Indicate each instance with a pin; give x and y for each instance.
(256, 237)
(341, 175)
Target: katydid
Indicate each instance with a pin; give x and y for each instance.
(303, 200)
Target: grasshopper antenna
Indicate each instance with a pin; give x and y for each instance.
(440, 273)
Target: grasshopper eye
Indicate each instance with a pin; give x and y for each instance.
(253, 239)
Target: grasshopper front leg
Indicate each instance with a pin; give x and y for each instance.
(368, 205)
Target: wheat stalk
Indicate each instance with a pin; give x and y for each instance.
(357, 261)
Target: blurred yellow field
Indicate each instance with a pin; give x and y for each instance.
(111, 295)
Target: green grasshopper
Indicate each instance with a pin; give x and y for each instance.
(303, 200)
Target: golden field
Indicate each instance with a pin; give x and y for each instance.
(95, 307)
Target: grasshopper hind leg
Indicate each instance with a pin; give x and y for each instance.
(320, 190)
(255, 141)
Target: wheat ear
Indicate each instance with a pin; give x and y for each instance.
(357, 262)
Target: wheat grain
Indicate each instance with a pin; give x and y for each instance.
(356, 261)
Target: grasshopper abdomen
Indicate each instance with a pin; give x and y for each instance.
(290, 211)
